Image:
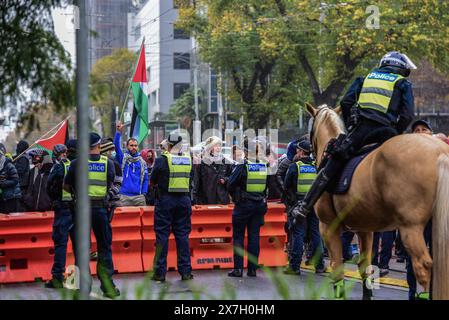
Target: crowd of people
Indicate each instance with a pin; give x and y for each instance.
(35, 180)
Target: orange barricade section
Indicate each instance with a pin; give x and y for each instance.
(273, 237)
(211, 237)
(126, 242)
(127, 239)
(26, 246)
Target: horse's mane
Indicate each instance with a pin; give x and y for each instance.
(330, 118)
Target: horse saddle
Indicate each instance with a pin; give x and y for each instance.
(342, 182)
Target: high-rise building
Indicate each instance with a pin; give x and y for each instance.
(168, 52)
(108, 27)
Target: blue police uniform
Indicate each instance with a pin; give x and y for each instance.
(173, 211)
(62, 223)
(298, 230)
(248, 214)
(383, 260)
(100, 218)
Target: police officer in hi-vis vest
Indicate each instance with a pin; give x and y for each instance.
(101, 178)
(247, 186)
(63, 206)
(172, 175)
(298, 180)
(375, 109)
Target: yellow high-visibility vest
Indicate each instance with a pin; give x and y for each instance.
(66, 196)
(256, 180)
(98, 178)
(306, 175)
(179, 168)
(377, 91)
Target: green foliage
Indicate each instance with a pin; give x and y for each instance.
(183, 111)
(279, 52)
(32, 59)
(109, 82)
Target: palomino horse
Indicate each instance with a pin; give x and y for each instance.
(400, 185)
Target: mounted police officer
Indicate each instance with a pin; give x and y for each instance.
(172, 174)
(101, 178)
(375, 109)
(63, 206)
(248, 188)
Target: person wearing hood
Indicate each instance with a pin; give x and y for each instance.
(71, 149)
(9, 184)
(22, 162)
(149, 155)
(134, 170)
(211, 175)
(36, 197)
(107, 149)
(284, 162)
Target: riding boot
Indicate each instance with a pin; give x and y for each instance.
(367, 289)
(300, 211)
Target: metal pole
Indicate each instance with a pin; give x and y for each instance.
(197, 122)
(83, 218)
(113, 112)
(195, 88)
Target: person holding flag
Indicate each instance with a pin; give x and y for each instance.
(134, 168)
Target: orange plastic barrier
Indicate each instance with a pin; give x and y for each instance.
(127, 239)
(273, 237)
(211, 238)
(126, 242)
(26, 246)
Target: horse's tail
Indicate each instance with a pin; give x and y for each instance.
(440, 232)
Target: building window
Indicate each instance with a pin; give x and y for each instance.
(179, 33)
(179, 89)
(149, 74)
(181, 61)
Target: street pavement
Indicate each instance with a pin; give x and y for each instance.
(215, 284)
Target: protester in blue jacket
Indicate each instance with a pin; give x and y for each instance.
(134, 169)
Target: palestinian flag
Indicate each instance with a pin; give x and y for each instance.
(59, 137)
(139, 120)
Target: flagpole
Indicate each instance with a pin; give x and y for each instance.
(59, 124)
(134, 72)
